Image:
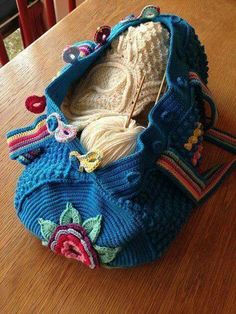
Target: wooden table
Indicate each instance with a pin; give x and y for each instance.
(197, 273)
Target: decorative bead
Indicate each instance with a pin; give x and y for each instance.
(188, 146)
(62, 132)
(65, 133)
(85, 50)
(102, 34)
(35, 104)
(194, 161)
(71, 54)
(200, 148)
(88, 162)
(52, 123)
(197, 155)
(149, 12)
(193, 139)
(197, 132)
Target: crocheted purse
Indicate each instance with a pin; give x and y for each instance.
(128, 212)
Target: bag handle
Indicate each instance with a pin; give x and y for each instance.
(199, 186)
(208, 99)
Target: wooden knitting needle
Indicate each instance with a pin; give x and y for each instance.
(135, 102)
(161, 86)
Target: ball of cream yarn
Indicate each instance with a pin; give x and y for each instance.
(110, 136)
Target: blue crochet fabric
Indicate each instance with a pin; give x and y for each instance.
(139, 202)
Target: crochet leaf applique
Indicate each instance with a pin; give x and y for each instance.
(76, 239)
(70, 215)
(106, 254)
(46, 227)
(93, 227)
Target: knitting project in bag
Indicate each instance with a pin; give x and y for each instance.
(112, 171)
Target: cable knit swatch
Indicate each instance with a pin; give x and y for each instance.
(110, 86)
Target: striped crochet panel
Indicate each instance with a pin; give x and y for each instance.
(198, 187)
(27, 158)
(222, 139)
(26, 143)
(195, 77)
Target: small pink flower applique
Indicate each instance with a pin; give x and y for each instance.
(76, 239)
(61, 131)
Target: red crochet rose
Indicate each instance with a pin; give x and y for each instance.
(74, 238)
(72, 242)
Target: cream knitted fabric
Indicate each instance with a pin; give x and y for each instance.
(110, 86)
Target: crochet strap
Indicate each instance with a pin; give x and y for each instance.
(27, 143)
(207, 97)
(198, 186)
(222, 139)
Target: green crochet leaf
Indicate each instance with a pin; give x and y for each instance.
(46, 227)
(70, 215)
(93, 227)
(106, 254)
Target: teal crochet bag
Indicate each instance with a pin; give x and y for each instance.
(128, 212)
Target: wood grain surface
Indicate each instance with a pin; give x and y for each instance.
(197, 275)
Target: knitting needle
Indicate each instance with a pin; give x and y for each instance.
(135, 102)
(161, 86)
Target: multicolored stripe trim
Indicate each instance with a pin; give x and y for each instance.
(26, 143)
(193, 76)
(222, 139)
(207, 97)
(197, 186)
